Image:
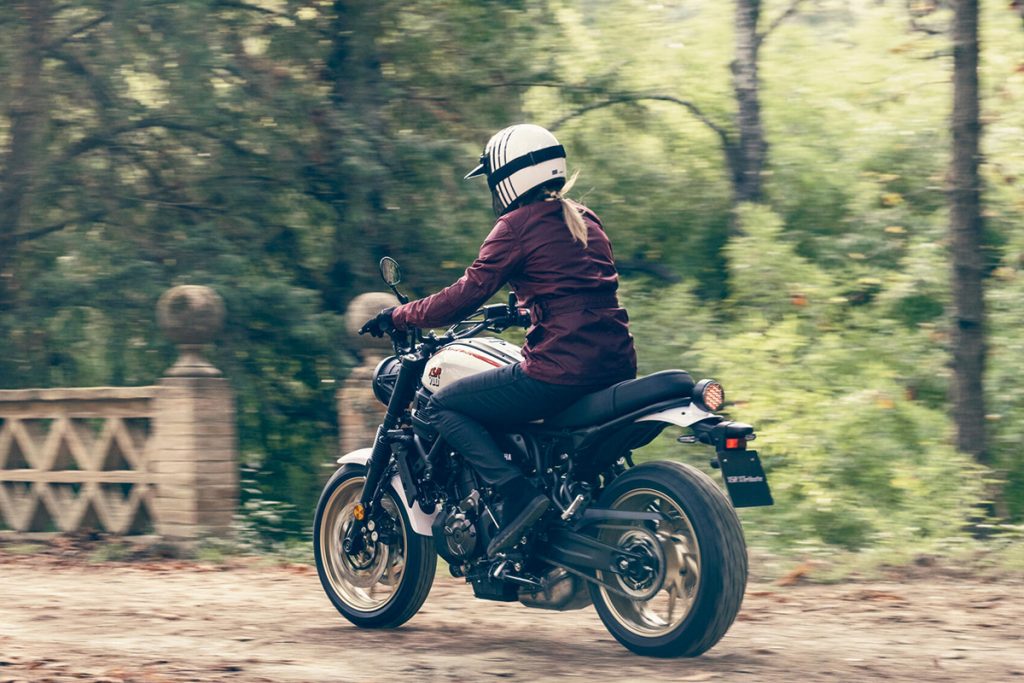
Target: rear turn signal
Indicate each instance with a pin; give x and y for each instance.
(709, 395)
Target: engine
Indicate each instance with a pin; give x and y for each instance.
(455, 531)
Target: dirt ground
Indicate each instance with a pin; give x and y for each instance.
(68, 620)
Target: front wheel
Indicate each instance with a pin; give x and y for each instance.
(680, 598)
(384, 585)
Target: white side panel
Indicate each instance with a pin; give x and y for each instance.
(419, 519)
(683, 416)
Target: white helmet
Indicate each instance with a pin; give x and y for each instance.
(518, 159)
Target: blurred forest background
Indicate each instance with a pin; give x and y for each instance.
(774, 183)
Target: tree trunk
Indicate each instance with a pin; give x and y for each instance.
(747, 161)
(26, 109)
(356, 125)
(966, 233)
(25, 115)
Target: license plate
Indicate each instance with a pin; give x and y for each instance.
(745, 478)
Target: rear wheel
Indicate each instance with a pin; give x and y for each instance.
(682, 591)
(384, 585)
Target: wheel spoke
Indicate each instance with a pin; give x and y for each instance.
(671, 602)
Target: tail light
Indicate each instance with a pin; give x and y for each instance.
(709, 395)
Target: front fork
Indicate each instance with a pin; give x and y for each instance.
(380, 458)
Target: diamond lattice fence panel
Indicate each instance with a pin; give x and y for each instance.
(77, 459)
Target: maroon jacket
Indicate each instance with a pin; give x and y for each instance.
(580, 336)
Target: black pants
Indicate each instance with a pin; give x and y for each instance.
(503, 397)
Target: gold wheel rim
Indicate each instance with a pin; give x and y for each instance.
(368, 582)
(672, 603)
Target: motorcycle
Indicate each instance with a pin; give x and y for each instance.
(656, 547)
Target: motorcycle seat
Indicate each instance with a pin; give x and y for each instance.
(623, 398)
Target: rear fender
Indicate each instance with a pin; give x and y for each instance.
(419, 519)
(683, 415)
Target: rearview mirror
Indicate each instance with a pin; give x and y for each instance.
(390, 271)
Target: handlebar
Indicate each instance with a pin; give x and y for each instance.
(496, 317)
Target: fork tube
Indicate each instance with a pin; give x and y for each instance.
(405, 389)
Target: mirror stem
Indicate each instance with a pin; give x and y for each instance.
(402, 299)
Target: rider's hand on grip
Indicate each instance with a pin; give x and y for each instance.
(379, 325)
(523, 318)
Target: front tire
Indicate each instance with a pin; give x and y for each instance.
(386, 584)
(685, 606)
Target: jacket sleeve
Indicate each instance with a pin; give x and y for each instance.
(500, 256)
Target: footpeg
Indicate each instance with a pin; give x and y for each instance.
(570, 511)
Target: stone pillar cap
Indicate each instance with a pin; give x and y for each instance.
(191, 316)
(361, 309)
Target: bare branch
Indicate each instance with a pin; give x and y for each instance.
(564, 87)
(237, 4)
(794, 7)
(938, 54)
(567, 87)
(75, 32)
(137, 156)
(77, 67)
(195, 207)
(927, 30)
(36, 233)
(621, 99)
(104, 138)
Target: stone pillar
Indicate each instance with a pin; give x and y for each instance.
(196, 445)
(359, 411)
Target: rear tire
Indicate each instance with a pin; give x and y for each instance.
(704, 560)
(387, 585)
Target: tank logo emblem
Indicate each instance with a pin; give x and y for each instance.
(434, 377)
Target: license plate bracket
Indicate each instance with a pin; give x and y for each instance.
(745, 478)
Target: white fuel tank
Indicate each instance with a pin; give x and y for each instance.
(468, 357)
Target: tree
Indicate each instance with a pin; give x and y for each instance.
(17, 166)
(966, 233)
(743, 143)
(748, 155)
(271, 150)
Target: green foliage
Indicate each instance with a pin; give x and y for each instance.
(275, 149)
(855, 457)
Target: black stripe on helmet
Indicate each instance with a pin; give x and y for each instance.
(525, 161)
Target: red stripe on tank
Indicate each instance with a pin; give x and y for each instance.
(478, 357)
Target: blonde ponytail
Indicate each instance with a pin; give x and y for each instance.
(571, 211)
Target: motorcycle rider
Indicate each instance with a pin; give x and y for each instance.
(558, 260)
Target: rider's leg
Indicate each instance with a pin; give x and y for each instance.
(502, 397)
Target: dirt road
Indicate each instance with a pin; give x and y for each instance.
(175, 621)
